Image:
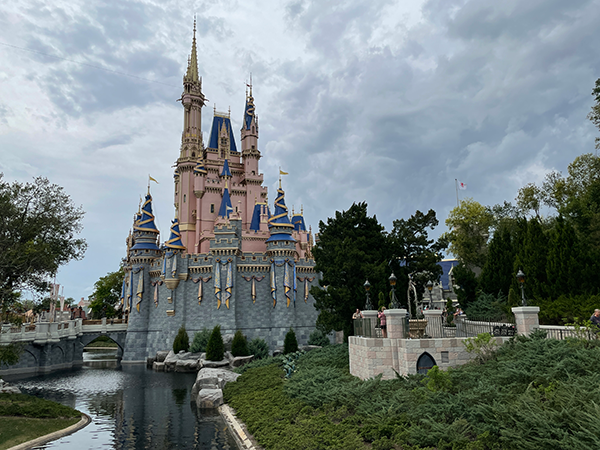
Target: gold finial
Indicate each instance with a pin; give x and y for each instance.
(215, 108)
(194, 26)
(301, 210)
(250, 84)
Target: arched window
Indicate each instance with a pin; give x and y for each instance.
(424, 363)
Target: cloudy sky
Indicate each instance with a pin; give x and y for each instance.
(381, 101)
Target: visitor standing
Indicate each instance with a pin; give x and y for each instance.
(595, 319)
(357, 314)
(382, 322)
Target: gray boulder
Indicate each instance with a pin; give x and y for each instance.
(239, 361)
(209, 398)
(6, 388)
(186, 365)
(160, 356)
(215, 364)
(212, 378)
(158, 366)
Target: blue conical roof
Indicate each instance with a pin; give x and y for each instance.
(280, 217)
(226, 207)
(175, 238)
(146, 222)
(226, 172)
(200, 169)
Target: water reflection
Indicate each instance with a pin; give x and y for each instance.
(131, 408)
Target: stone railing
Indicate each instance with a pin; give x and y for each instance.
(44, 332)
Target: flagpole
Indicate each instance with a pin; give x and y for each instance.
(456, 186)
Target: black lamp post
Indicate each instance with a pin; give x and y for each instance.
(368, 305)
(393, 280)
(521, 280)
(429, 288)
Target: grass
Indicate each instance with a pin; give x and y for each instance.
(102, 344)
(24, 417)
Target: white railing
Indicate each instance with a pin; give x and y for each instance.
(43, 332)
(562, 332)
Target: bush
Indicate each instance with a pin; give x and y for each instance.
(259, 348)
(215, 349)
(318, 338)
(290, 344)
(200, 341)
(181, 342)
(239, 345)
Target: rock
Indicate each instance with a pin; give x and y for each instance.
(308, 348)
(160, 356)
(209, 398)
(150, 361)
(227, 340)
(239, 361)
(186, 366)
(215, 364)
(158, 366)
(6, 388)
(278, 351)
(210, 378)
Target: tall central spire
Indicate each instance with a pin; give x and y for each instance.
(192, 70)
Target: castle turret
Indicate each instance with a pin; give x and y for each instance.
(281, 243)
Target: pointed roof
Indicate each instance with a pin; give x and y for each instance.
(191, 75)
(175, 238)
(280, 217)
(200, 169)
(218, 121)
(226, 172)
(146, 222)
(298, 222)
(226, 207)
(249, 110)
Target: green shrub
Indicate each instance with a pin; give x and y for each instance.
(318, 338)
(181, 342)
(215, 349)
(200, 341)
(290, 344)
(259, 348)
(239, 345)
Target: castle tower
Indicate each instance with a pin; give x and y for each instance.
(145, 235)
(281, 243)
(192, 149)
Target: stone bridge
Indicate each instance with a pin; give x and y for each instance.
(51, 346)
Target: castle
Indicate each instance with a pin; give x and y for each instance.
(228, 261)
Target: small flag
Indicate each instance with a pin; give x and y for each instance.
(152, 179)
(281, 172)
(462, 186)
(229, 208)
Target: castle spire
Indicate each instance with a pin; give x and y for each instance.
(192, 70)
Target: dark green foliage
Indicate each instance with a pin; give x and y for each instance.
(318, 338)
(564, 260)
(566, 309)
(497, 275)
(466, 280)
(259, 348)
(28, 406)
(39, 225)
(290, 344)
(200, 341)
(487, 307)
(268, 361)
(215, 349)
(181, 342)
(10, 354)
(105, 297)
(351, 248)
(239, 345)
(410, 243)
(531, 393)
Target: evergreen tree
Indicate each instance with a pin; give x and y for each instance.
(352, 248)
(239, 345)
(181, 342)
(215, 349)
(564, 270)
(496, 275)
(533, 256)
(290, 344)
(466, 280)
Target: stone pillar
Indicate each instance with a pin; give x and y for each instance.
(434, 323)
(370, 318)
(41, 333)
(396, 322)
(526, 318)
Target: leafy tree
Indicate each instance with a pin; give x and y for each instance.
(106, 295)
(469, 224)
(38, 228)
(290, 344)
(530, 198)
(181, 342)
(466, 280)
(352, 248)
(215, 349)
(10, 354)
(239, 345)
(594, 114)
(414, 252)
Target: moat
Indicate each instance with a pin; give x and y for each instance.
(131, 408)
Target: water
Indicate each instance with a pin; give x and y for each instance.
(131, 408)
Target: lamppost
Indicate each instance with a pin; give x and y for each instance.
(521, 280)
(368, 305)
(393, 280)
(429, 288)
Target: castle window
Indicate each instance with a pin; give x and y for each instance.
(253, 147)
(193, 154)
(253, 172)
(212, 208)
(183, 198)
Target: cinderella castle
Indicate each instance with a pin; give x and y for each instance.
(230, 260)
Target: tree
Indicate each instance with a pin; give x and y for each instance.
(290, 343)
(496, 275)
(352, 248)
(594, 114)
(38, 233)
(239, 345)
(414, 252)
(215, 349)
(106, 295)
(466, 280)
(181, 341)
(469, 224)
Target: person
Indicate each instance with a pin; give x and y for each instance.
(382, 322)
(81, 313)
(595, 319)
(357, 314)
